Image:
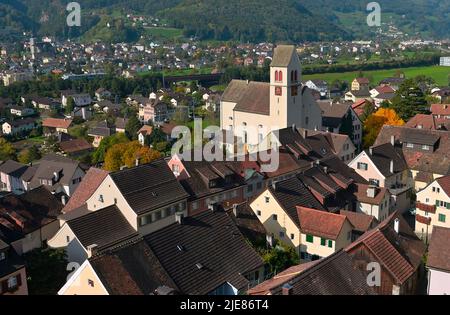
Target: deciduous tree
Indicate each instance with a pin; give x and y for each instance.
(374, 123)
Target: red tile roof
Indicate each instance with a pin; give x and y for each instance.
(444, 182)
(439, 250)
(361, 194)
(320, 223)
(362, 80)
(93, 178)
(361, 222)
(400, 253)
(386, 89)
(56, 123)
(75, 145)
(440, 109)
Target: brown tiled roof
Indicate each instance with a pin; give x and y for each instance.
(282, 55)
(361, 194)
(131, 269)
(334, 110)
(76, 145)
(320, 223)
(383, 154)
(423, 121)
(234, 91)
(93, 178)
(56, 123)
(440, 109)
(439, 250)
(256, 99)
(363, 80)
(204, 252)
(146, 130)
(281, 278)
(361, 222)
(400, 253)
(444, 182)
(26, 213)
(105, 227)
(437, 162)
(334, 275)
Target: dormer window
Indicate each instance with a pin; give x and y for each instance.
(426, 147)
(100, 199)
(212, 183)
(2, 256)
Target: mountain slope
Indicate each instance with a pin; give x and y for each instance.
(244, 20)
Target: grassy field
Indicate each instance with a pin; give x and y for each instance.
(439, 74)
(163, 32)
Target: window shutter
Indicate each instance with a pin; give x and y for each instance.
(437, 203)
(4, 286)
(19, 280)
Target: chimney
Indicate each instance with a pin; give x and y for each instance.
(391, 166)
(63, 200)
(371, 150)
(397, 225)
(92, 250)
(325, 169)
(274, 185)
(287, 289)
(137, 162)
(305, 133)
(393, 140)
(294, 127)
(212, 207)
(179, 217)
(371, 191)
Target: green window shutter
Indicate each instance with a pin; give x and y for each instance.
(330, 243)
(437, 203)
(448, 205)
(323, 241)
(310, 238)
(442, 218)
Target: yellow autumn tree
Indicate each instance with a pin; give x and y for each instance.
(126, 154)
(374, 123)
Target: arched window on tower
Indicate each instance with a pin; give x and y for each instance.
(296, 76)
(280, 76)
(292, 75)
(276, 75)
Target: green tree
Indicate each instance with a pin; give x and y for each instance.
(29, 155)
(46, 270)
(132, 127)
(100, 153)
(280, 258)
(70, 106)
(409, 100)
(7, 150)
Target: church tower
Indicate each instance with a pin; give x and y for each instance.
(285, 87)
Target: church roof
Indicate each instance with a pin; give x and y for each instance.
(255, 99)
(235, 90)
(282, 55)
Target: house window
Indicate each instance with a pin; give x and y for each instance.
(310, 238)
(292, 236)
(68, 239)
(249, 188)
(259, 186)
(307, 120)
(12, 282)
(442, 218)
(363, 166)
(330, 244)
(274, 217)
(2, 256)
(349, 235)
(194, 205)
(410, 145)
(258, 213)
(281, 234)
(374, 182)
(100, 198)
(176, 168)
(323, 241)
(276, 75)
(280, 76)
(426, 147)
(91, 283)
(267, 199)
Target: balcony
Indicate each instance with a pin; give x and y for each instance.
(426, 208)
(423, 220)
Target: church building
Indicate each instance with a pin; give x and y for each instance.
(251, 110)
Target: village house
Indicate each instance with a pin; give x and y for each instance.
(75, 147)
(208, 184)
(384, 166)
(319, 86)
(251, 110)
(102, 94)
(359, 84)
(12, 176)
(333, 275)
(164, 261)
(121, 124)
(429, 122)
(397, 250)
(373, 201)
(102, 130)
(56, 125)
(426, 152)
(13, 277)
(342, 119)
(433, 203)
(18, 126)
(144, 132)
(438, 262)
(29, 220)
(21, 111)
